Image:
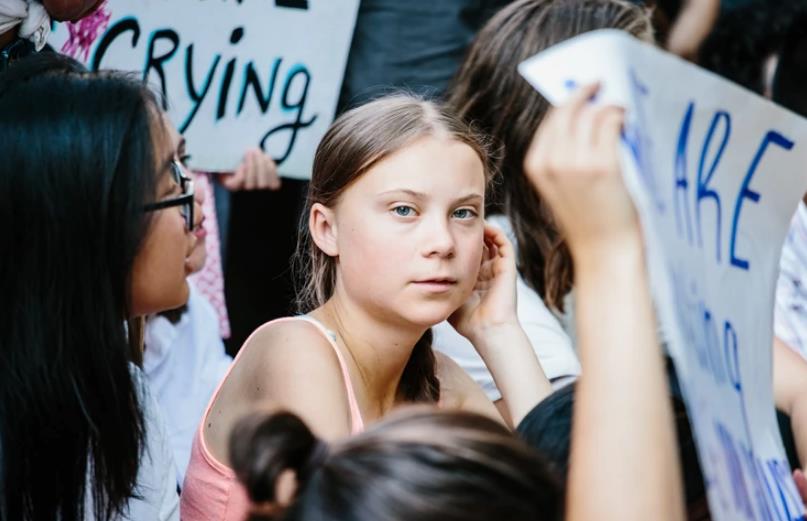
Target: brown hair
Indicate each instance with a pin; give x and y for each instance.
(421, 464)
(357, 141)
(489, 92)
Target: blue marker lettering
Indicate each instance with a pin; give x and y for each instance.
(746, 193)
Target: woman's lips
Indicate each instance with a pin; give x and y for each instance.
(200, 232)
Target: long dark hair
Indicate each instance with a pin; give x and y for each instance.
(356, 141)
(489, 92)
(418, 465)
(77, 164)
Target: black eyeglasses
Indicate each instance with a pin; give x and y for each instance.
(185, 201)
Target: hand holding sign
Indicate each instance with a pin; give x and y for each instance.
(715, 173)
(257, 171)
(235, 74)
(574, 162)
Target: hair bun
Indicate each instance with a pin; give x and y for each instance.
(317, 458)
(263, 446)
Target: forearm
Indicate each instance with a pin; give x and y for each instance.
(790, 392)
(692, 26)
(509, 357)
(798, 422)
(624, 464)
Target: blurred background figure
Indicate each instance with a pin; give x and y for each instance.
(25, 24)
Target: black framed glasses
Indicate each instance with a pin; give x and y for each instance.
(184, 201)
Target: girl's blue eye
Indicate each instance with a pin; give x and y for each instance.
(403, 211)
(464, 213)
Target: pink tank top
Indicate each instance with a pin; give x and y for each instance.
(211, 491)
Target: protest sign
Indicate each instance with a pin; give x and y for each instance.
(716, 173)
(235, 73)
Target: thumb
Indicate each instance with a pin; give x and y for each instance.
(801, 484)
(234, 181)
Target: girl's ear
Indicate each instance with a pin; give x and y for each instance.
(322, 226)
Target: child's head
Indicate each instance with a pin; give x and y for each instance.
(418, 465)
(489, 92)
(82, 156)
(395, 212)
(548, 428)
(198, 256)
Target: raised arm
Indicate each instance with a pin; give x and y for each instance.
(692, 26)
(623, 462)
(790, 395)
(489, 320)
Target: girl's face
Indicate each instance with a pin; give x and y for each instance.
(408, 234)
(160, 268)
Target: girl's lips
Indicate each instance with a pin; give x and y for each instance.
(435, 285)
(200, 232)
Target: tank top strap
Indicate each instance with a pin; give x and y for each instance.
(356, 421)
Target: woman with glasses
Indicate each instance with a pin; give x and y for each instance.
(184, 356)
(96, 221)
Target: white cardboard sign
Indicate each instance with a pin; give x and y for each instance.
(235, 73)
(716, 173)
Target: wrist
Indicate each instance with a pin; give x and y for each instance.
(614, 253)
(485, 335)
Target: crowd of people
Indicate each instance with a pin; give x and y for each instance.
(475, 336)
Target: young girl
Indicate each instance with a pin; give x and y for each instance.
(489, 91)
(426, 466)
(394, 243)
(95, 221)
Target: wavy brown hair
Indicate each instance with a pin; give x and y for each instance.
(357, 141)
(489, 92)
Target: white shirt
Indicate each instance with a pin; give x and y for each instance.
(155, 493)
(552, 345)
(790, 315)
(184, 363)
(156, 485)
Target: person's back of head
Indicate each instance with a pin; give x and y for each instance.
(419, 465)
(548, 429)
(76, 165)
(489, 92)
